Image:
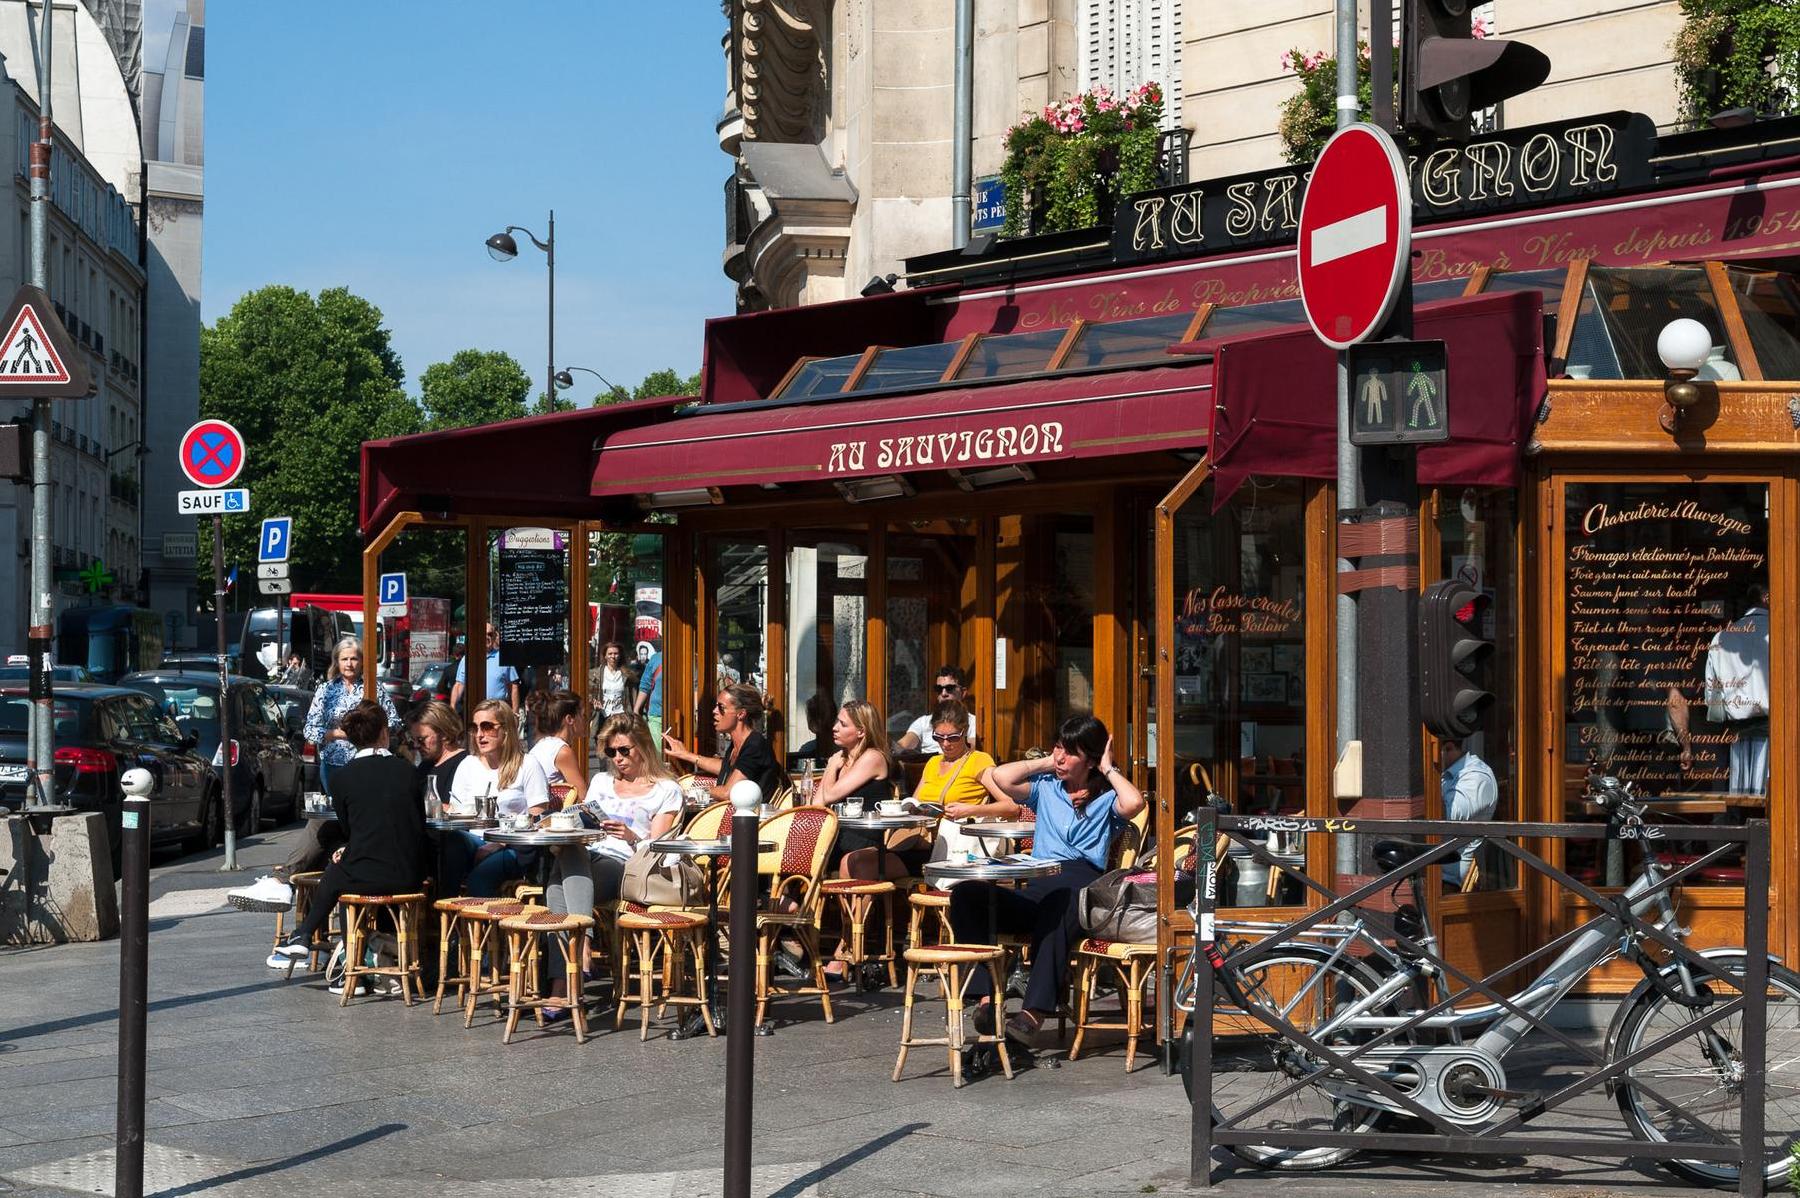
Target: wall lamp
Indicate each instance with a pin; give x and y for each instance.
(1684, 346)
(991, 476)
(880, 285)
(691, 497)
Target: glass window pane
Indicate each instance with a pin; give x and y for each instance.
(824, 376)
(1253, 318)
(1129, 342)
(1635, 303)
(1016, 353)
(930, 601)
(827, 619)
(426, 646)
(1547, 283)
(1438, 289)
(1772, 317)
(1070, 604)
(625, 625)
(1239, 658)
(740, 610)
(1667, 655)
(912, 366)
(1476, 544)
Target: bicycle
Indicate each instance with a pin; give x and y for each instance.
(1391, 1010)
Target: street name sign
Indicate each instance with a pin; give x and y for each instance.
(38, 359)
(1355, 235)
(232, 501)
(267, 570)
(275, 586)
(212, 454)
(275, 542)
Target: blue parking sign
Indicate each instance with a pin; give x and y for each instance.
(277, 538)
(392, 589)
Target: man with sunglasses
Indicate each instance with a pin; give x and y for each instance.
(950, 685)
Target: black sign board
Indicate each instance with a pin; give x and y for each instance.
(531, 607)
(1399, 393)
(1513, 168)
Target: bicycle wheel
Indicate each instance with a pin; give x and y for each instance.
(1252, 1062)
(1688, 1073)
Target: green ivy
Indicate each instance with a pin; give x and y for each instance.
(1738, 54)
(1309, 116)
(1076, 152)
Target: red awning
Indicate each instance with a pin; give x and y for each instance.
(1277, 397)
(969, 428)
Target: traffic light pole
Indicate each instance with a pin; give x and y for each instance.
(42, 725)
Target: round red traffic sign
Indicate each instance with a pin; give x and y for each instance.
(212, 454)
(1355, 235)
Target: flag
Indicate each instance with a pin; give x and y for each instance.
(231, 578)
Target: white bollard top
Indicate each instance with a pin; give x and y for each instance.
(137, 783)
(746, 796)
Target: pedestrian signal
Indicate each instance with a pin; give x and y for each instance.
(1453, 651)
(1399, 393)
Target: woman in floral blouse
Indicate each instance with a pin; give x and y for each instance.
(338, 694)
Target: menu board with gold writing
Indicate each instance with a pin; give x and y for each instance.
(1666, 659)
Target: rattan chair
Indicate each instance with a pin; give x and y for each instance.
(955, 965)
(320, 948)
(526, 935)
(856, 902)
(481, 949)
(1133, 966)
(680, 938)
(362, 918)
(803, 837)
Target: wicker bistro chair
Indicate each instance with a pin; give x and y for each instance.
(680, 938)
(856, 902)
(482, 976)
(1133, 966)
(304, 885)
(955, 965)
(708, 823)
(527, 935)
(362, 917)
(803, 837)
(457, 967)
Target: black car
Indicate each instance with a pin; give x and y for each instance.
(102, 731)
(295, 702)
(265, 766)
(399, 690)
(62, 674)
(434, 682)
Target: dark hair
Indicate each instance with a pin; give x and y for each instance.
(364, 723)
(819, 713)
(1083, 733)
(611, 645)
(748, 699)
(950, 712)
(955, 672)
(550, 708)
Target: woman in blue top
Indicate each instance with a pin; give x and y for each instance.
(1081, 799)
(335, 697)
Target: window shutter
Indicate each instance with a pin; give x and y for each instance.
(1127, 43)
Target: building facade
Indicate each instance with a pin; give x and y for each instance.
(97, 283)
(839, 114)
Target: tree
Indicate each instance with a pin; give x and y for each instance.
(666, 382)
(475, 386)
(306, 381)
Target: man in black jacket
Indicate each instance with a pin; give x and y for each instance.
(380, 806)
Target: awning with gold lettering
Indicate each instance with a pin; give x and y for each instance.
(964, 429)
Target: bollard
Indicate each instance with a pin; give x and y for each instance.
(134, 979)
(740, 1009)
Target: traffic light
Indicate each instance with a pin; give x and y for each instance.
(1446, 73)
(1452, 651)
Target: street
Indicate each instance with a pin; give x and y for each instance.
(258, 1086)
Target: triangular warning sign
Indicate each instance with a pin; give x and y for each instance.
(37, 359)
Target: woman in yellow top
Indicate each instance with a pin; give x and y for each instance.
(951, 779)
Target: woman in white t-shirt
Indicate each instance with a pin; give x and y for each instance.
(636, 802)
(557, 716)
(499, 767)
(614, 681)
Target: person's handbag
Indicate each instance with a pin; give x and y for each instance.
(1121, 905)
(662, 880)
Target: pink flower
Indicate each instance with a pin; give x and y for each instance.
(1480, 27)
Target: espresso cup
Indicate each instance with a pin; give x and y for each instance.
(853, 808)
(888, 807)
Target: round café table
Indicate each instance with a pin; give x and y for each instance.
(542, 838)
(990, 871)
(881, 825)
(444, 825)
(1010, 831)
(708, 850)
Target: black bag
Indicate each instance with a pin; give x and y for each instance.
(1120, 905)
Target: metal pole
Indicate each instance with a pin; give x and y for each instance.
(1349, 476)
(1752, 1094)
(134, 977)
(963, 120)
(1199, 1063)
(225, 763)
(550, 369)
(740, 1010)
(42, 741)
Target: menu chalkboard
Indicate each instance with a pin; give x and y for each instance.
(1666, 590)
(531, 607)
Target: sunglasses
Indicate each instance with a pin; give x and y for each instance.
(947, 688)
(722, 707)
(618, 750)
(486, 726)
(947, 740)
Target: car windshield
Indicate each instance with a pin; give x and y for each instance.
(15, 712)
(61, 673)
(186, 701)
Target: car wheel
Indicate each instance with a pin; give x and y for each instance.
(212, 823)
(252, 814)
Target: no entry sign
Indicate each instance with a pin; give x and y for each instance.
(212, 454)
(1355, 235)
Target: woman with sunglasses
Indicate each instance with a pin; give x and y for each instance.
(557, 717)
(499, 767)
(949, 684)
(636, 802)
(736, 712)
(951, 780)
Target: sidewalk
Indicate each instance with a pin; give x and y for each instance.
(259, 1086)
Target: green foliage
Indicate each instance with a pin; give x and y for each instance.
(1309, 116)
(666, 382)
(475, 386)
(306, 381)
(1738, 54)
(1075, 152)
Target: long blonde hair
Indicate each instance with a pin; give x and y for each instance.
(867, 721)
(512, 751)
(635, 726)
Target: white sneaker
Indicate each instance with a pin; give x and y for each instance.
(265, 894)
(277, 961)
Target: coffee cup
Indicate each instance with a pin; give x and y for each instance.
(853, 808)
(563, 821)
(889, 807)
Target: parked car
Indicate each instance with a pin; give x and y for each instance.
(399, 690)
(434, 682)
(265, 766)
(62, 674)
(193, 659)
(294, 702)
(102, 731)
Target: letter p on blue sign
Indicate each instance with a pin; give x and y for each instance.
(392, 589)
(277, 538)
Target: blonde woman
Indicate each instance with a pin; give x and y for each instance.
(499, 767)
(636, 802)
(336, 698)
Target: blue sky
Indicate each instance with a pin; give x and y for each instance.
(377, 145)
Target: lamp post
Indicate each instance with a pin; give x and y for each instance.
(564, 380)
(502, 247)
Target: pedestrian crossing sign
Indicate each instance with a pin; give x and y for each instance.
(1399, 393)
(37, 358)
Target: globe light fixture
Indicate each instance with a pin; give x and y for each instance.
(1683, 345)
(502, 248)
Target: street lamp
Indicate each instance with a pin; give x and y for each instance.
(565, 380)
(502, 247)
